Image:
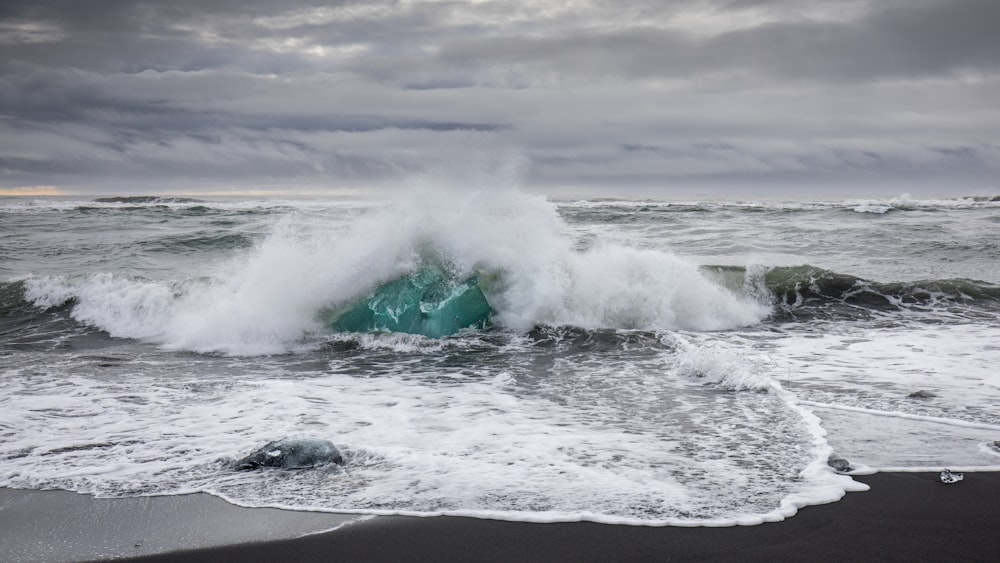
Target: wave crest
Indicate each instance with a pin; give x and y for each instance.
(268, 299)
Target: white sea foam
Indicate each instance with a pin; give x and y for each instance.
(733, 368)
(876, 209)
(917, 417)
(608, 442)
(860, 378)
(122, 306)
(715, 362)
(877, 367)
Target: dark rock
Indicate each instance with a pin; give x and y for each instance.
(922, 394)
(838, 463)
(292, 453)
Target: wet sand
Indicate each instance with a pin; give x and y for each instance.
(904, 517)
(56, 526)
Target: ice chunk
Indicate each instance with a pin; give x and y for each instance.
(427, 302)
(948, 477)
(292, 453)
(838, 463)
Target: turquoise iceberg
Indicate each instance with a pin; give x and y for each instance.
(427, 302)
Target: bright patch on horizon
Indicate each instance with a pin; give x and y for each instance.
(31, 191)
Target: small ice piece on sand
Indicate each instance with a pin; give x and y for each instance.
(947, 477)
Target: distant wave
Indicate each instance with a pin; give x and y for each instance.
(12, 299)
(146, 199)
(876, 209)
(901, 203)
(807, 290)
(982, 198)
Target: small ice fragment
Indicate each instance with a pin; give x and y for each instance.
(947, 477)
(292, 453)
(838, 463)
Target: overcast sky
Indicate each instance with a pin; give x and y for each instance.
(738, 96)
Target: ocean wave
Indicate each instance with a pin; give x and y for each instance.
(903, 202)
(267, 290)
(268, 298)
(12, 298)
(146, 199)
(179, 204)
(259, 310)
(875, 209)
(807, 290)
(795, 286)
(196, 242)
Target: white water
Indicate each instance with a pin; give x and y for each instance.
(435, 442)
(706, 418)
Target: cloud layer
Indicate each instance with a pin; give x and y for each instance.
(773, 95)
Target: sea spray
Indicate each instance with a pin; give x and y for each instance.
(268, 299)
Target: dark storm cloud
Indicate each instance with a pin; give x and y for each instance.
(693, 92)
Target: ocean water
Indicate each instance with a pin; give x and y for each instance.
(649, 362)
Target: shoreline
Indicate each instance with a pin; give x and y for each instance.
(905, 516)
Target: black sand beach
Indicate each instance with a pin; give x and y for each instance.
(904, 517)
